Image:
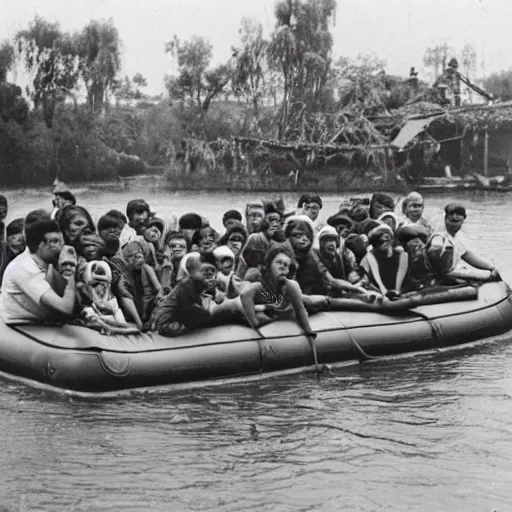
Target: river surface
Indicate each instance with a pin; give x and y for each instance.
(424, 433)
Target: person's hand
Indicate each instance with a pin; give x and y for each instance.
(393, 295)
(495, 275)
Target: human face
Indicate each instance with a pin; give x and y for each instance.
(414, 210)
(415, 248)
(209, 274)
(16, 241)
(225, 265)
(385, 244)
(299, 239)
(152, 235)
(49, 250)
(254, 218)
(58, 201)
(235, 243)
(91, 252)
(274, 222)
(134, 257)
(177, 248)
(379, 209)
(342, 230)
(311, 210)
(67, 269)
(328, 245)
(453, 222)
(280, 266)
(77, 224)
(100, 289)
(390, 221)
(207, 240)
(110, 234)
(138, 220)
(230, 222)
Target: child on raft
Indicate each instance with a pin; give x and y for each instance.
(157, 281)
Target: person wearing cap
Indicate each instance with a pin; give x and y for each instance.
(27, 296)
(384, 265)
(230, 218)
(14, 244)
(451, 241)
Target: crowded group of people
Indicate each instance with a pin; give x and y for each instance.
(133, 272)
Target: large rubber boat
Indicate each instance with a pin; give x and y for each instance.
(78, 360)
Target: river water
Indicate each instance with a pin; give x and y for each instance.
(424, 433)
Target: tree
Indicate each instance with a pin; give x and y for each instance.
(468, 61)
(6, 60)
(50, 56)
(140, 82)
(250, 63)
(196, 84)
(300, 50)
(500, 85)
(99, 50)
(435, 58)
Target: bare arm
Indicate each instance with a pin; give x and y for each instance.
(373, 266)
(64, 304)
(130, 308)
(403, 265)
(247, 299)
(475, 261)
(295, 294)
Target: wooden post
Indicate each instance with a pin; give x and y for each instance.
(486, 152)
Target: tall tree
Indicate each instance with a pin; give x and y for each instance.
(300, 49)
(140, 82)
(196, 83)
(250, 63)
(500, 85)
(6, 60)
(50, 56)
(99, 49)
(468, 61)
(435, 58)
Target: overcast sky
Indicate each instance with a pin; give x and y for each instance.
(398, 31)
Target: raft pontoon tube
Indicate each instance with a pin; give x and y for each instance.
(82, 360)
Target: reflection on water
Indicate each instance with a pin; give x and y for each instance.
(421, 433)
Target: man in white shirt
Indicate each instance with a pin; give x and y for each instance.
(482, 270)
(27, 296)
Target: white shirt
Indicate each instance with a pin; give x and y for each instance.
(23, 285)
(460, 246)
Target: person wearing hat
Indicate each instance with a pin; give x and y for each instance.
(452, 242)
(189, 223)
(342, 223)
(385, 266)
(341, 268)
(14, 244)
(420, 274)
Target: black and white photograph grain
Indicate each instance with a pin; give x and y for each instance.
(254, 256)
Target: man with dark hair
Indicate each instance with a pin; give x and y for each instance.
(230, 218)
(27, 296)
(450, 254)
(138, 213)
(310, 205)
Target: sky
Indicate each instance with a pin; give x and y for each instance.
(397, 31)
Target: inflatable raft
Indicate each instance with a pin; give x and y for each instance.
(80, 360)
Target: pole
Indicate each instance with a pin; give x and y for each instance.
(486, 152)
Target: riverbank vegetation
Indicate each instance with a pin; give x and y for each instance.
(283, 111)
